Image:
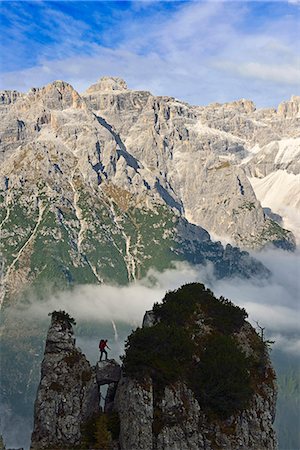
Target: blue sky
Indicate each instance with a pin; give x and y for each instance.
(199, 51)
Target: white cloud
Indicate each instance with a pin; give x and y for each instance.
(274, 303)
(284, 74)
(201, 52)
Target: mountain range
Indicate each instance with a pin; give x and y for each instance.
(112, 182)
(102, 186)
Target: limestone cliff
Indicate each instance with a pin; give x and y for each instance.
(195, 377)
(68, 392)
(114, 174)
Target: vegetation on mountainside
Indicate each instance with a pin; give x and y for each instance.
(100, 431)
(194, 341)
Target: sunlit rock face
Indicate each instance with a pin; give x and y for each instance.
(153, 148)
(114, 182)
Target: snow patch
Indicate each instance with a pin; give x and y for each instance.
(280, 191)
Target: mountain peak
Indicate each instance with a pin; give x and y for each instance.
(108, 84)
(290, 109)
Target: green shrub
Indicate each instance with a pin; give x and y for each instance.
(113, 424)
(103, 438)
(161, 352)
(63, 317)
(221, 380)
(86, 375)
(183, 306)
(54, 386)
(100, 430)
(213, 366)
(72, 358)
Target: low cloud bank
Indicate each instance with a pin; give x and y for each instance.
(273, 303)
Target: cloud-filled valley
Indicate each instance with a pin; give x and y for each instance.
(273, 303)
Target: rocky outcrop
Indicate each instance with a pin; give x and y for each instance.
(8, 97)
(108, 372)
(108, 84)
(173, 417)
(177, 421)
(68, 394)
(134, 403)
(190, 412)
(181, 424)
(291, 108)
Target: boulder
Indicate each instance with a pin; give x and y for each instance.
(107, 372)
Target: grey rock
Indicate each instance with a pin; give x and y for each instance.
(290, 109)
(108, 84)
(149, 319)
(134, 404)
(68, 393)
(9, 97)
(110, 398)
(107, 372)
(182, 425)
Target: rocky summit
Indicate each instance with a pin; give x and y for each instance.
(111, 182)
(197, 377)
(68, 394)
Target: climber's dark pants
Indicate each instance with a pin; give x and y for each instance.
(101, 353)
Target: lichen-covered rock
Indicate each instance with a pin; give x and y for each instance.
(177, 421)
(134, 403)
(187, 427)
(107, 372)
(68, 393)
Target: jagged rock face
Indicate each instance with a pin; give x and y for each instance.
(278, 155)
(290, 109)
(68, 392)
(183, 425)
(112, 145)
(117, 203)
(187, 428)
(108, 84)
(134, 403)
(182, 145)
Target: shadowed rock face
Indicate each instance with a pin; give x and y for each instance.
(68, 393)
(108, 372)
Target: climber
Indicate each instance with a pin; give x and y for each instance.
(102, 345)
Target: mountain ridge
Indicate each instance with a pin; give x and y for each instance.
(68, 168)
